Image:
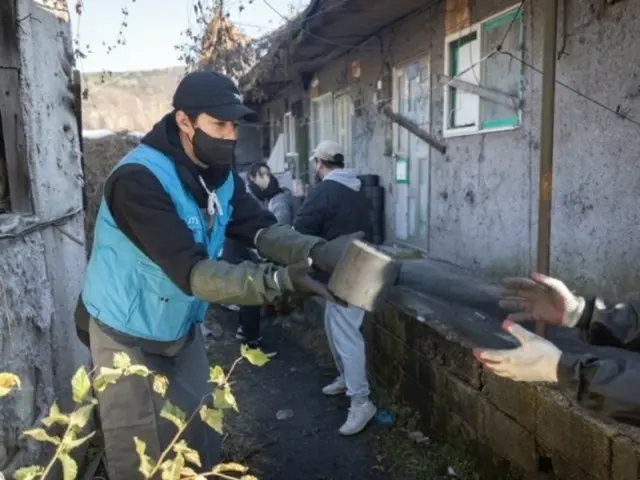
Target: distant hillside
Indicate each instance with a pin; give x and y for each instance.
(128, 101)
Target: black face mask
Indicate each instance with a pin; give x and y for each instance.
(215, 153)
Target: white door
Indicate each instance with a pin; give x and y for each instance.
(411, 98)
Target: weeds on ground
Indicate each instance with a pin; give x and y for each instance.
(178, 462)
(414, 454)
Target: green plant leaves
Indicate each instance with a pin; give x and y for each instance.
(8, 383)
(255, 357)
(80, 385)
(174, 415)
(212, 417)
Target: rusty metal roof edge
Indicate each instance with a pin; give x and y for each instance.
(250, 82)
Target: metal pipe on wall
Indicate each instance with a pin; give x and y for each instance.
(547, 117)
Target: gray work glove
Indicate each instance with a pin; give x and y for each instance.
(541, 298)
(296, 278)
(326, 255)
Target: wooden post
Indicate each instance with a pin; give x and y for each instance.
(547, 116)
(413, 128)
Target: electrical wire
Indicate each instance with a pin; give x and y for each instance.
(577, 92)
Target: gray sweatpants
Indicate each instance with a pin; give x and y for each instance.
(342, 327)
(130, 408)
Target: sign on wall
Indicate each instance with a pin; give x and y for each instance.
(402, 170)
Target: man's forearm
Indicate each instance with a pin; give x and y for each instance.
(248, 283)
(283, 245)
(609, 387)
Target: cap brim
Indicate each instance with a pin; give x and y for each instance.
(233, 113)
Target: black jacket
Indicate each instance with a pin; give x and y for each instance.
(145, 213)
(334, 207)
(607, 386)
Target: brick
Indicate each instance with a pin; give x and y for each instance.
(625, 463)
(516, 399)
(463, 400)
(567, 470)
(507, 438)
(572, 435)
(456, 357)
(461, 434)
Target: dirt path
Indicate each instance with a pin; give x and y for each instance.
(306, 445)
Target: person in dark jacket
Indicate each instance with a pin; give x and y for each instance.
(166, 209)
(266, 188)
(605, 386)
(333, 208)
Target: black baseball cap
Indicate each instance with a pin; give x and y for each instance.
(214, 94)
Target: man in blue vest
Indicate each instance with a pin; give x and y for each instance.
(166, 209)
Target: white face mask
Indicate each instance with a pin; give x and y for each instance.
(262, 180)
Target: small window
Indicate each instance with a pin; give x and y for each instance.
(289, 124)
(467, 111)
(343, 111)
(321, 119)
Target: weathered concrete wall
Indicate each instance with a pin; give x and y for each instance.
(419, 352)
(41, 267)
(483, 193)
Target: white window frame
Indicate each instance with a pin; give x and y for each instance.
(348, 123)
(321, 100)
(476, 28)
(289, 132)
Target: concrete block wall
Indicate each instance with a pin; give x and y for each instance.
(515, 430)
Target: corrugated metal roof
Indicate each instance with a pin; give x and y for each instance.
(326, 30)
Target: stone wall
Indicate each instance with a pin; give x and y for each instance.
(512, 428)
(42, 253)
(419, 354)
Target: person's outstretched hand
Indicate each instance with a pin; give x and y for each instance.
(298, 280)
(326, 255)
(541, 298)
(536, 360)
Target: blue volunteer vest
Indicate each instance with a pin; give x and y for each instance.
(127, 291)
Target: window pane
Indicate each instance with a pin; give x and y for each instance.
(465, 55)
(501, 72)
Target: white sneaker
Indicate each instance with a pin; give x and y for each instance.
(358, 418)
(337, 387)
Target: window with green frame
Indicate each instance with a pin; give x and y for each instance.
(466, 112)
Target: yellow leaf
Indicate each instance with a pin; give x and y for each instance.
(55, 416)
(69, 467)
(254, 356)
(8, 382)
(160, 385)
(172, 469)
(28, 473)
(80, 385)
(188, 473)
(216, 375)
(230, 467)
(81, 416)
(76, 442)
(139, 370)
(248, 477)
(189, 453)
(106, 376)
(147, 464)
(41, 435)
(212, 417)
(121, 361)
(223, 398)
(173, 414)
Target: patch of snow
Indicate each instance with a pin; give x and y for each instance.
(96, 134)
(103, 133)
